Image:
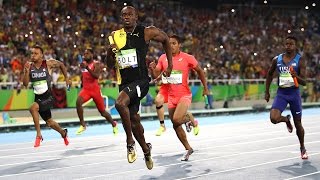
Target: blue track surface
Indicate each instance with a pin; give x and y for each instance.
(48, 134)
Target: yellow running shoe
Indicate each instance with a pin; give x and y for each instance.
(196, 128)
(80, 130)
(160, 131)
(115, 129)
(148, 158)
(131, 153)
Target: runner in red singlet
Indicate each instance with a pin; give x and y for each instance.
(91, 89)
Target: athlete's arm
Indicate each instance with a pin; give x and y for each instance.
(153, 33)
(155, 71)
(302, 76)
(52, 63)
(96, 71)
(269, 78)
(26, 72)
(203, 79)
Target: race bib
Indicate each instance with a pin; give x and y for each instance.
(40, 87)
(175, 78)
(286, 80)
(127, 58)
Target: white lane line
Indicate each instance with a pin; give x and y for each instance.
(107, 137)
(200, 160)
(198, 142)
(142, 169)
(122, 149)
(53, 141)
(243, 167)
(305, 175)
(202, 140)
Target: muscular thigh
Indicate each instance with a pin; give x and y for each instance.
(136, 91)
(295, 104)
(280, 102)
(45, 101)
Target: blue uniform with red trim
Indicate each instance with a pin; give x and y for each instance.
(287, 93)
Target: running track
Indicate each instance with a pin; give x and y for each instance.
(243, 146)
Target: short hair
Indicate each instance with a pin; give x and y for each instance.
(293, 38)
(131, 7)
(38, 47)
(174, 36)
(90, 49)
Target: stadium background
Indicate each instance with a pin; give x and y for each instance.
(234, 42)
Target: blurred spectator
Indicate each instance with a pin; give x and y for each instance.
(3, 76)
(209, 105)
(236, 44)
(305, 94)
(316, 89)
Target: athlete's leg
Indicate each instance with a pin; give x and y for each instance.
(190, 121)
(276, 117)
(296, 111)
(34, 111)
(83, 97)
(54, 125)
(80, 110)
(279, 104)
(121, 105)
(97, 98)
(138, 131)
(159, 101)
(177, 116)
(299, 130)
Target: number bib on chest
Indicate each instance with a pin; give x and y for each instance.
(127, 58)
(175, 78)
(286, 80)
(40, 87)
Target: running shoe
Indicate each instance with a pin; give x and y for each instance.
(196, 128)
(304, 154)
(186, 156)
(131, 153)
(160, 131)
(37, 141)
(80, 130)
(115, 129)
(188, 126)
(289, 125)
(148, 158)
(65, 138)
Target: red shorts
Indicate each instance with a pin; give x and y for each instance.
(164, 92)
(173, 101)
(96, 97)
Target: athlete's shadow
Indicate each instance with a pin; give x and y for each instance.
(174, 167)
(81, 151)
(298, 169)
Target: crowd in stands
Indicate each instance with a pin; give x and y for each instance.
(231, 41)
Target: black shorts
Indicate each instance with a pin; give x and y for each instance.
(45, 102)
(136, 91)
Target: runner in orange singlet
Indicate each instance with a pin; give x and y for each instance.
(91, 89)
(180, 95)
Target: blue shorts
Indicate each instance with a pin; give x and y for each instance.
(289, 96)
